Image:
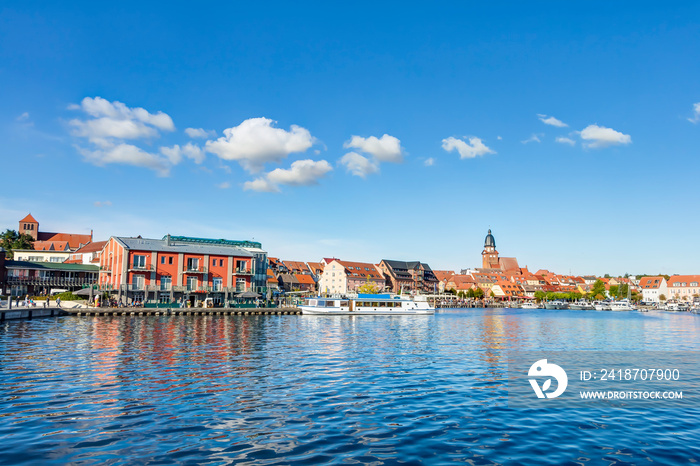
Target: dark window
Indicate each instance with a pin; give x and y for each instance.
(170, 260)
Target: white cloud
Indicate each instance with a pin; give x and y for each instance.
(533, 138)
(189, 150)
(255, 142)
(102, 203)
(23, 117)
(384, 149)
(565, 140)
(696, 113)
(260, 185)
(224, 185)
(200, 133)
(429, 162)
(116, 120)
(301, 173)
(127, 154)
(359, 165)
(551, 121)
(499, 138)
(600, 136)
(474, 148)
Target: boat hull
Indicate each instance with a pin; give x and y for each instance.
(309, 310)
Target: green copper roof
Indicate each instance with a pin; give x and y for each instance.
(223, 242)
(51, 266)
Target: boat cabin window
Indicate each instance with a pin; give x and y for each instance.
(375, 304)
(311, 302)
(330, 303)
(343, 303)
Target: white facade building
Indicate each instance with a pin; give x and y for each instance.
(653, 288)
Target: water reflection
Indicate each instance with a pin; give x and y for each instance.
(315, 389)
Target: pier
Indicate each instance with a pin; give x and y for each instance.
(31, 313)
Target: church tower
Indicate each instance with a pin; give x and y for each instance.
(489, 256)
(29, 226)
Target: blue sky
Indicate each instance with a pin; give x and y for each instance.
(364, 131)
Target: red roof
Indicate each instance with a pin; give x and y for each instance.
(29, 219)
(360, 269)
(304, 279)
(74, 240)
(650, 283)
(92, 247)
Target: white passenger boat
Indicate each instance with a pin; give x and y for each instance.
(582, 306)
(530, 306)
(368, 304)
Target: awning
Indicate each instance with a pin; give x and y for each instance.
(248, 294)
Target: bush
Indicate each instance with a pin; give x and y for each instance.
(67, 296)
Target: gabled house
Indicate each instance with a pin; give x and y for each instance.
(653, 288)
(411, 276)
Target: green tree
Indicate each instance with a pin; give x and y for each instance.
(11, 240)
(477, 293)
(598, 290)
(540, 295)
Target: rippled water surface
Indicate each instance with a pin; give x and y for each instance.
(316, 389)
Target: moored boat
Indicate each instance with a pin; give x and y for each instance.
(622, 305)
(582, 306)
(368, 304)
(530, 306)
(556, 305)
(602, 306)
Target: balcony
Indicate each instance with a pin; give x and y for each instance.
(243, 271)
(141, 268)
(195, 269)
(51, 281)
(136, 287)
(105, 269)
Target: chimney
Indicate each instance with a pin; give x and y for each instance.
(167, 239)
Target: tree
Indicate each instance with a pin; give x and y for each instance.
(11, 240)
(477, 293)
(540, 295)
(598, 290)
(368, 287)
(662, 297)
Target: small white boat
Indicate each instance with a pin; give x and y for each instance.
(582, 306)
(530, 306)
(556, 305)
(622, 305)
(602, 306)
(368, 304)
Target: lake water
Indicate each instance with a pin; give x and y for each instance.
(316, 389)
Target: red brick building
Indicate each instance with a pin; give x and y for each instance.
(151, 270)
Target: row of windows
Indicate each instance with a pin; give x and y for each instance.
(684, 284)
(192, 263)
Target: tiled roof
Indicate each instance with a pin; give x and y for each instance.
(296, 266)
(29, 219)
(360, 269)
(92, 247)
(74, 240)
(651, 283)
(305, 279)
(51, 246)
(687, 279)
(508, 263)
(443, 274)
